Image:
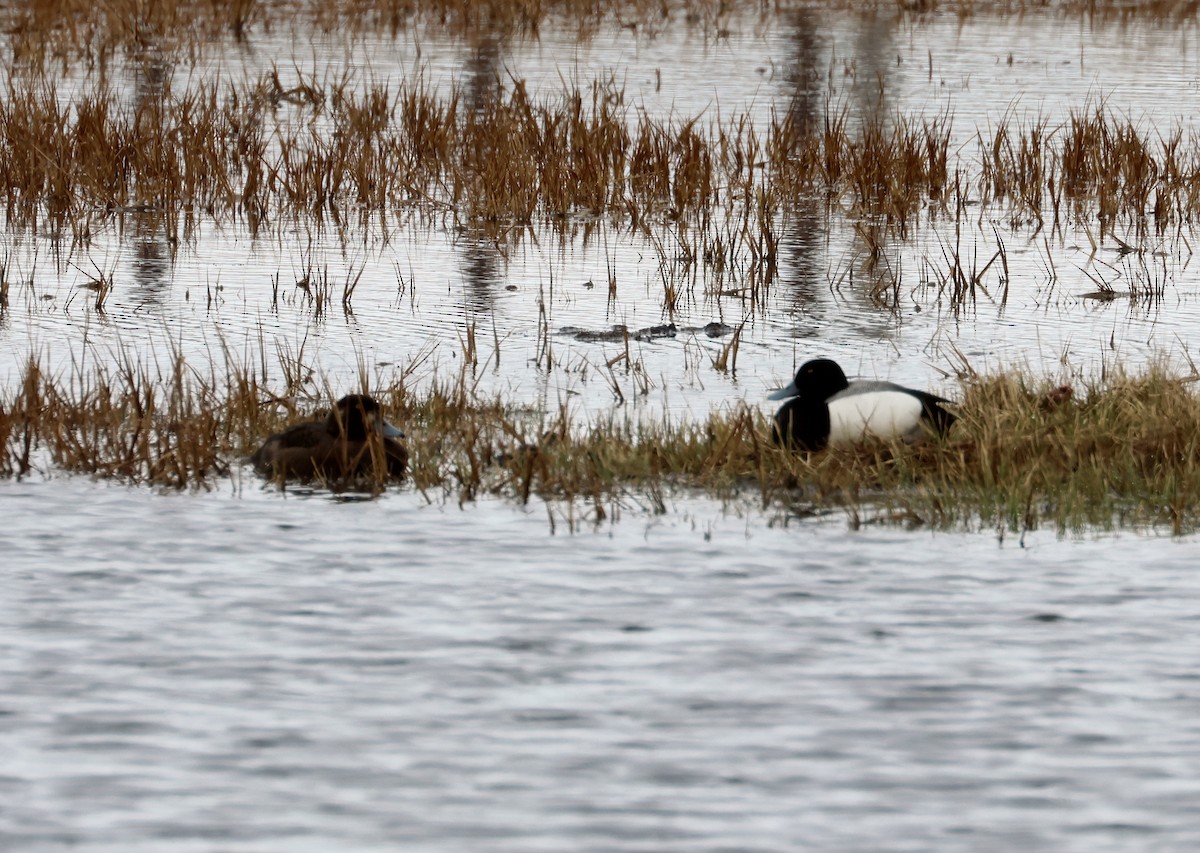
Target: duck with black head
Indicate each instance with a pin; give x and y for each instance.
(351, 441)
(823, 408)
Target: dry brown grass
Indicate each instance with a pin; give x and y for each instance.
(346, 150)
(712, 193)
(1095, 163)
(1024, 453)
(251, 152)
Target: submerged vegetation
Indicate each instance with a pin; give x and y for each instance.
(1023, 453)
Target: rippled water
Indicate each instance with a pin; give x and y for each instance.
(244, 672)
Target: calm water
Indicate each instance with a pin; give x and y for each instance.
(248, 671)
(245, 672)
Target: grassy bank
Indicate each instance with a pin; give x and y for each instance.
(1024, 454)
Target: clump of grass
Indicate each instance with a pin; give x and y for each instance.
(1024, 453)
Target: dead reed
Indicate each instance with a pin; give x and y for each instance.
(1122, 451)
(711, 192)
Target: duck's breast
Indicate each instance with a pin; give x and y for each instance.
(884, 413)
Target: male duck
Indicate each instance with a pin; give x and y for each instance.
(826, 409)
(348, 443)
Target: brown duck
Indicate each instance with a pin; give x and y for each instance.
(350, 442)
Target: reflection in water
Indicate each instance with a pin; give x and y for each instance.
(151, 74)
(873, 67)
(863, 269)
(481, 271)
(152, 247)
(804, 75)
(480, 256)
(152, 257)
(868, 112)
(481, 73)
(807, 239)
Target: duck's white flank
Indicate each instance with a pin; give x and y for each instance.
(882, 414)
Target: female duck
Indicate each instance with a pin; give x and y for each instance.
(826, 409)
(353, 440)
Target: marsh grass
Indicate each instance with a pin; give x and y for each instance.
(711, 190)
(713, 194)
(1120, 452)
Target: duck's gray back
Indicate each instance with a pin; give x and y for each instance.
(868, 386)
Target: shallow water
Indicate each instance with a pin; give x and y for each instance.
(245, 672)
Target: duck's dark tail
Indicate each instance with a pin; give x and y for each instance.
(938, 417)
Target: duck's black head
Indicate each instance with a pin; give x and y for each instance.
(818, 379)
(355, 416)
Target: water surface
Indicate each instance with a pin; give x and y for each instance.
(244, 672)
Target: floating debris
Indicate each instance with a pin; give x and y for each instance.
(620, 332)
